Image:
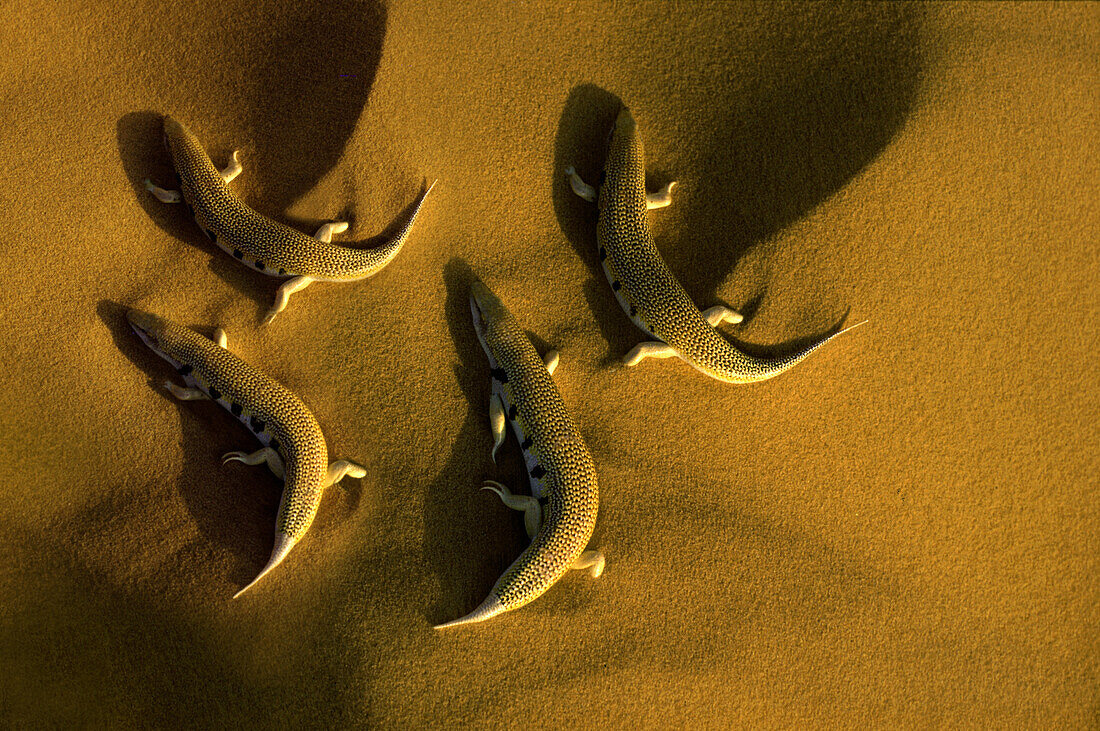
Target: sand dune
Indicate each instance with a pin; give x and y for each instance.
(903, 530)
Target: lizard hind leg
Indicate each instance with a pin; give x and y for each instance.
(341, 468)
(162, 195)
(581, 188)
(593, 561)
(233, 169)
(532, 511)
(266, 455)
(328, 229)
(661, 198)
(282, 295)
(650, 349)
(718, 314)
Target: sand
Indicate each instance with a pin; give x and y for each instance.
(903, 530)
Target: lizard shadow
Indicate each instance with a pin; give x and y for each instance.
(325, 61)
(79, 627)
(470, 537)
(233, 506)
(785, 574)
(823, 108)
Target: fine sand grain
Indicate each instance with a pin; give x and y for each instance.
(903, 530)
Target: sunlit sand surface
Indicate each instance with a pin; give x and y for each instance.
(901, 531)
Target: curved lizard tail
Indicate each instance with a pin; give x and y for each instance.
(283, 544)
(370, 261)
(491, 607)
(770, 368)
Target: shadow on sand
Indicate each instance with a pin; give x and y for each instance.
(78, 629)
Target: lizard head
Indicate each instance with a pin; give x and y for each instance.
(182, 145)
(492, 321)
(624, 167)
(162, 336)
(484, 305)
(172, 130)
(624, 123)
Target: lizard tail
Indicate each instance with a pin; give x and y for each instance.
(368, 261)
(283, 544)
(491, 607)
(770, 368)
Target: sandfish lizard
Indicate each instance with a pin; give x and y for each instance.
(643, 284)
(560, 512)
(265, 245)
(293, 446)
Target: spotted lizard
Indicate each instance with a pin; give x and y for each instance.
(293, 446)
(560, 512)
(257, 241)
(643, 284)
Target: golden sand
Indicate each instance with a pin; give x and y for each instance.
(903, 530)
